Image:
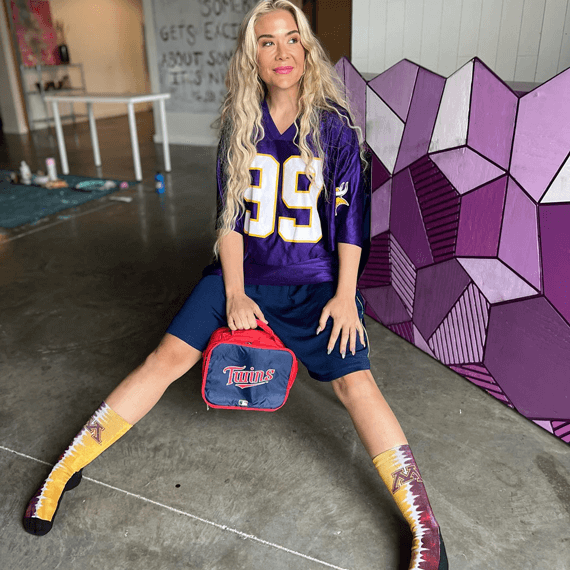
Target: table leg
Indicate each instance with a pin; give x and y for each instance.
(93, 131)
(166, 148)
(60, 139)
(135, 142)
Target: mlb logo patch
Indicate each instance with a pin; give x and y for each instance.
(250, 370)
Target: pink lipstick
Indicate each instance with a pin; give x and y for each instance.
(283, 70)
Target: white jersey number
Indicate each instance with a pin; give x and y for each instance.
(264, 195)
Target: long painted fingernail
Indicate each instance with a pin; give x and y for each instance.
(343, 354)
(353, 352)
(329, 350)
(318, 330)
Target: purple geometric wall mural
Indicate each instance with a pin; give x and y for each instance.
(470, 227)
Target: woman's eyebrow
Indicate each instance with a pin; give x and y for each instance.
(270, 36)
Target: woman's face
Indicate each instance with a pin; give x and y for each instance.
(280, 54)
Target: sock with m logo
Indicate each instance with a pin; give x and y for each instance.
(401, 475)
(100, 432)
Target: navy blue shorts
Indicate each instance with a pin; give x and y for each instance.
(292, 311)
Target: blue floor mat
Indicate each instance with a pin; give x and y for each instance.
(20, 204)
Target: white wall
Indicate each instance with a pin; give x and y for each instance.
(521, 40)
(183, 128)
(11, 101)
(106, 36)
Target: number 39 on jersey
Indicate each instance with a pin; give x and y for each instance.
(267, 198)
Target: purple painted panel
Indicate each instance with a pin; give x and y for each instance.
(356, 90)
(439, 262)
(461, 336)
(465, 169)
(386, 304)
(377, 270)
(481, 377)
(405, 330)
(492, 119)
(437, 289)
(380, 173)
(495, 280)
(480, 308)
(562, 430)
(403, 274)
(542, 135)
(340, 69)
(527, 354)
(380, 214)
(370, 312)
(421, 118)
(555, 245)
(519, 236)
(396, 86)
(544, 424)
(467, 327)
(406, 220)
(439, 204)
(480, 220)
(420, 342)
(452, 345)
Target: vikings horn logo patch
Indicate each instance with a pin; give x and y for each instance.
(340, 192)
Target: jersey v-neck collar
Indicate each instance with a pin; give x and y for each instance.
(287, 135)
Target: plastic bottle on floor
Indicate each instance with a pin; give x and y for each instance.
(51, 169)
(159, 183)
(25, 173)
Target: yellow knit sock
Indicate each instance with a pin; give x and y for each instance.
(100, 432)
(401, 475)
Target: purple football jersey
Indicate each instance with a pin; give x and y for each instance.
(290, 229)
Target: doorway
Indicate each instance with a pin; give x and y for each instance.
(332, 22)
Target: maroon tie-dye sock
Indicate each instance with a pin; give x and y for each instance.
(401, 475)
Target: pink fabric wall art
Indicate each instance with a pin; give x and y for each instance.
(34, 29)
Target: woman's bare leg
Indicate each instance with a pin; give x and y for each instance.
(375, 423)
(385, 442)
(137, 394)
(125, 406)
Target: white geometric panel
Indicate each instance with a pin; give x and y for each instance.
(453, 117)
(495, 280)
(559, 190)
(466, 169)
(460, 339)
(403, 275)
(384, 130)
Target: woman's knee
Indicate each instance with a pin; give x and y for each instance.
(360, 384)
(172, 357)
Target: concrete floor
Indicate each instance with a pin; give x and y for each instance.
(85, 296)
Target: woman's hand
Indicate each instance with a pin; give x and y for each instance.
(342, 309)
(241, 312)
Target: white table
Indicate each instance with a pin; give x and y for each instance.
(130, 100)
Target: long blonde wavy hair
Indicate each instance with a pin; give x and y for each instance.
(241, 117)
